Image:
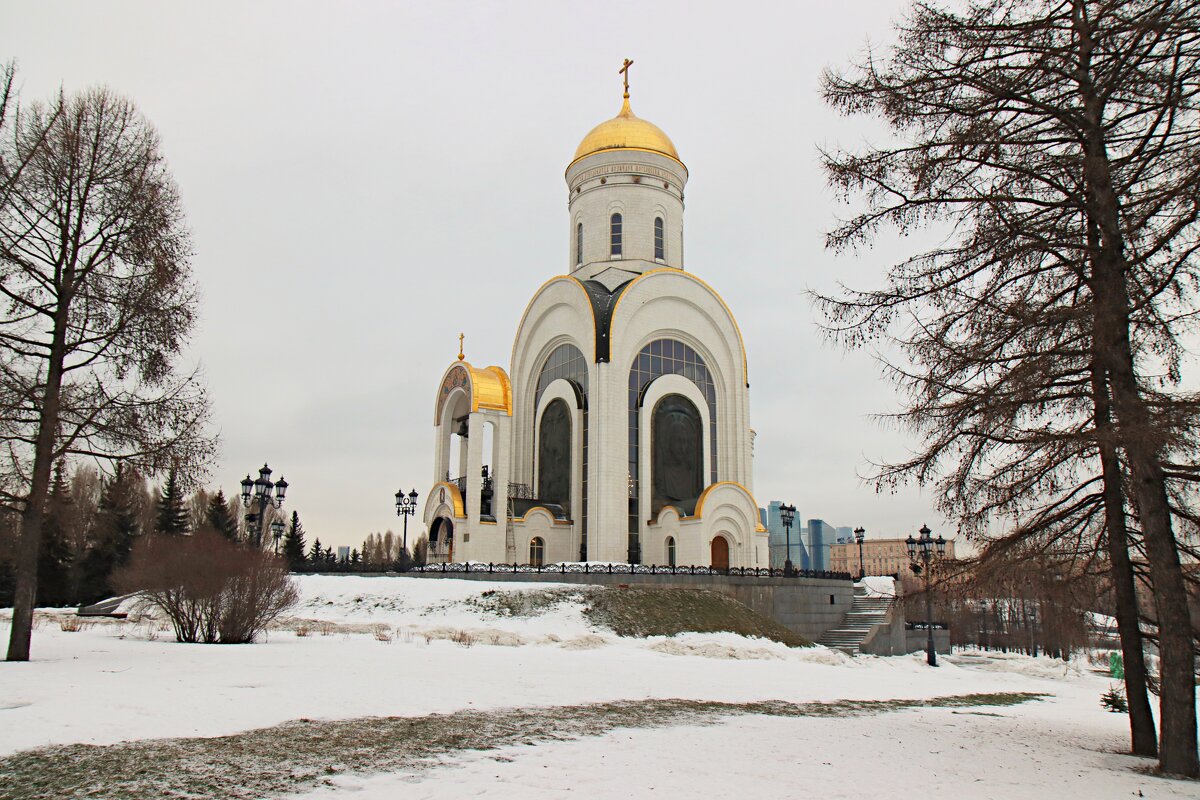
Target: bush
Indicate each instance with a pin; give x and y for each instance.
(212, 589)
(1114, 700)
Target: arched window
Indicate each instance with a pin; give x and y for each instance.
(665, 357)
(537, 551)
(615, 246)
(677, 455)
(659, 248)
(579, 244)
(670, 551)
(554, 455)
(566, 361)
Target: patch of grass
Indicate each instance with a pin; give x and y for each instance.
(300, 755)
(640, 611)
(523, 603)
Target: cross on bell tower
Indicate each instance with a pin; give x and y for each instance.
(624, 70)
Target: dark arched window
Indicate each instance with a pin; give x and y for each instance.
(615, 247)
(566, 361)
(537, 551)
(659, 248)
(579, 244)
(670, 551)
(676, 455)
(554, 455)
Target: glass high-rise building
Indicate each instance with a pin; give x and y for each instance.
(778, 538)
(821, 536)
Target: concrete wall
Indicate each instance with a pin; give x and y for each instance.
(889, 639)
(807, 606)
(917, 640)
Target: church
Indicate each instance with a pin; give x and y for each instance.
(620, 431)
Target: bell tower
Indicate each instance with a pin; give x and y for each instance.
(626, 187)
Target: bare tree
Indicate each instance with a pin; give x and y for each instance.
(97, 304)
(1058, 142)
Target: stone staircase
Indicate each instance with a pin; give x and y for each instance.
(864, 614)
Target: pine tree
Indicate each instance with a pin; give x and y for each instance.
(293, 544)
(114, 534)
(315, 555)
(54, 560)
(219, 518)
(420, 552)
(354, 558)
(172, 516)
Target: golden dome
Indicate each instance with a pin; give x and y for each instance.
(626, 132)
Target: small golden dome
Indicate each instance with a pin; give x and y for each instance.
(626, 132)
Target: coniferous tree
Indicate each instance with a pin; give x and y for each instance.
(54, 560)
(293, 544)
(172, 516)
(114, 533)
(219, 517)
(420, 552)
(315, 555)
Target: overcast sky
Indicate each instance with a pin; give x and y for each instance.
(366, 180)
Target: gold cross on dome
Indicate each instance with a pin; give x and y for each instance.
(460, 347)
(624, 70)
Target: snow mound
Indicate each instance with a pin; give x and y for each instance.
(588, 642)
(824, 656)
(692, 645)
(879, 585)
(1040, 667)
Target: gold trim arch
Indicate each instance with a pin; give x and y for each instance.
(489, 388)
(680, 273)
(699, 512)
(456, 501)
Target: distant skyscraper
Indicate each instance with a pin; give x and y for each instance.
(845, 534)
(778, 538)
(821, 536)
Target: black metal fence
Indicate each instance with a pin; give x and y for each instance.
(631, 569)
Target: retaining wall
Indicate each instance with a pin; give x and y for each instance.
(807, 606)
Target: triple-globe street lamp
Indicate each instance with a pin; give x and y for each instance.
(787, 514)
(406, 506)
(265, 494)
(927, 548)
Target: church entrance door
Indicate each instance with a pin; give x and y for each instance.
(720, 553)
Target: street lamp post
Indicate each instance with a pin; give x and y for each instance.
(406, 506)
(859, 535)
(787, 514)
(277, 533)
(266, 494)
(928, 549)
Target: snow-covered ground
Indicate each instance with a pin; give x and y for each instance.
(419, 646)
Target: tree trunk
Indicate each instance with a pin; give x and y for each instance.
(1141, 717)
(26, 568)
(1137, 436)
(1135, 430)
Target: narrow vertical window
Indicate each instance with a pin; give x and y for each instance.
(537, 551)
(579, 244)
(615, 248)
(670, 551)
(659, 248)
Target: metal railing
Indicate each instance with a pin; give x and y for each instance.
(632, 569)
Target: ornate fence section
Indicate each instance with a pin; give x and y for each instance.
(632, 569)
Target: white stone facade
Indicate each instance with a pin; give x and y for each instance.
(621, 342)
